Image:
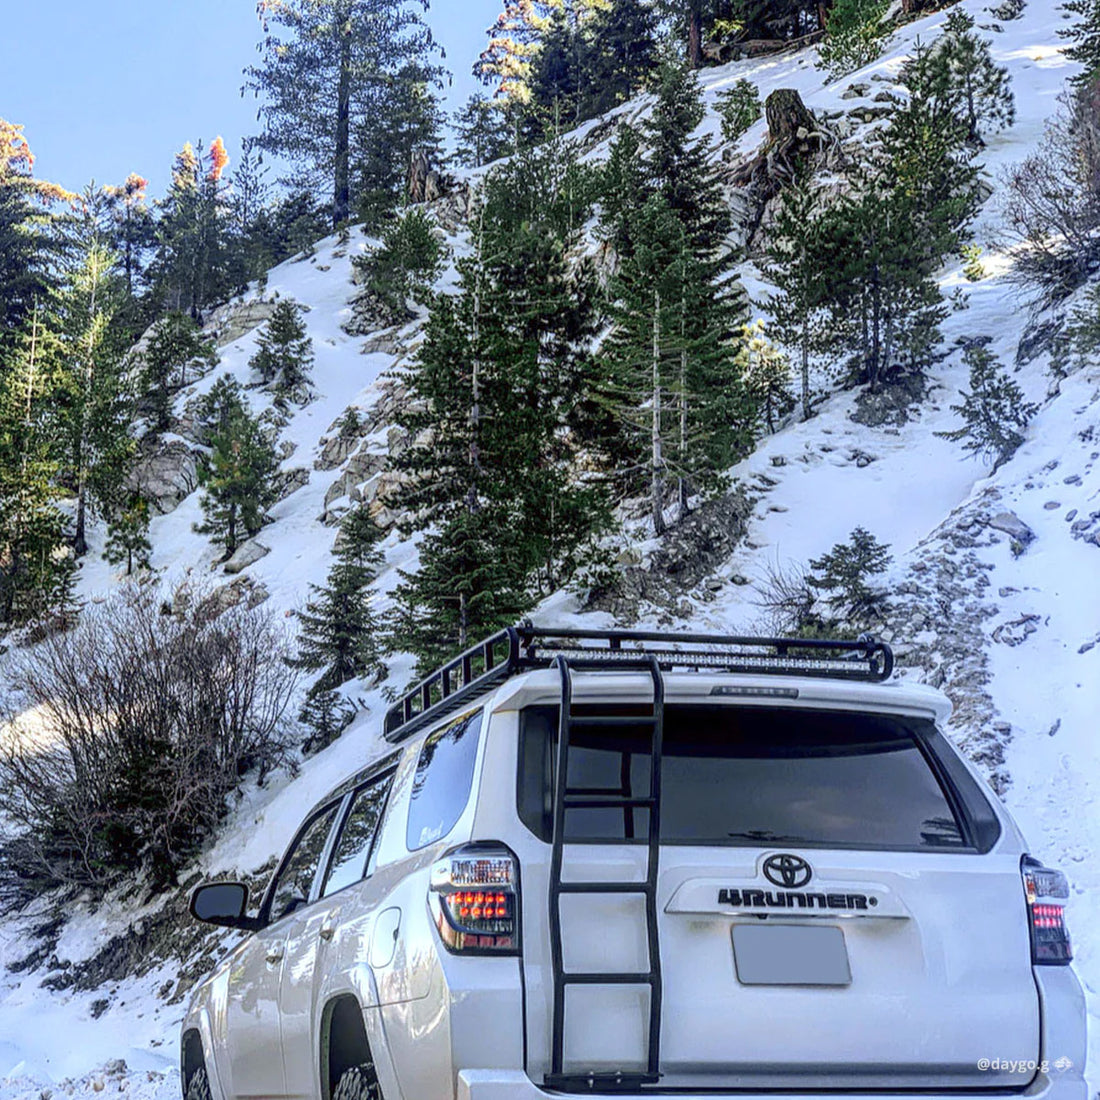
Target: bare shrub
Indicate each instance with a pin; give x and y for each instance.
(131, 733)
(1052, 209)
(787, 600)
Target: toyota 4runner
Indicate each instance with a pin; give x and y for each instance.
(631, 862)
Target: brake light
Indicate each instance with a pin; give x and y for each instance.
(475, 900)
(1046, 892)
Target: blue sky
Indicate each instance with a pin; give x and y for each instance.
(108, 88)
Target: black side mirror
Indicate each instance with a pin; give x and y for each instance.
(223, 904)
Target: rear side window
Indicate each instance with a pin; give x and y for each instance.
(443, 780)
(747, 776)
(355, 844)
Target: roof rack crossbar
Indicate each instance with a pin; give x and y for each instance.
(525, 646)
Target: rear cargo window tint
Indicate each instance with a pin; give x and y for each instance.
(443, 780)
(744, 776)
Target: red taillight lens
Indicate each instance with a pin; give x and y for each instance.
(1046, 891)
(475, 900)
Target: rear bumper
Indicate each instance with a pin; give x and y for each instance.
(493, 1084)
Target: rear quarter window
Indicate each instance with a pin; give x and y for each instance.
(751, 776)
(442, 781)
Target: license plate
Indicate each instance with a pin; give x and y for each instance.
(790, 954)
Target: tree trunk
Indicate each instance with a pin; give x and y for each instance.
(805, 374)
(657, 479)
(786, 115)
(695, 40)
(341, 199)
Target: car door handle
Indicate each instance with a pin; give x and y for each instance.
(275, 952)
(327, 932)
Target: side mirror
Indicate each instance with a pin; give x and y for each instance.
(223, 904)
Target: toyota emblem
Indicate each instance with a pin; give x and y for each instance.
(787, 870)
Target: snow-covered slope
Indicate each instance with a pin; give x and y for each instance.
(1013, 637)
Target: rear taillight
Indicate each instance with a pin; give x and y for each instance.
(475, 900)
(1046, 892)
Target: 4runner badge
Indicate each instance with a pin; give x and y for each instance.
(787, 870)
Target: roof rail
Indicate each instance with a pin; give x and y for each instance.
(525, 646)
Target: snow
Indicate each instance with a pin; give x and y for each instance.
(1045, 688)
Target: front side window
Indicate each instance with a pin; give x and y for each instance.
(443, 780)
(295, 880)
(356, 843)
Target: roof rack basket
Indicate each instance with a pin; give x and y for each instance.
(525, 647)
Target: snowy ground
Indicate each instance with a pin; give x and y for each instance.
(1044, 688)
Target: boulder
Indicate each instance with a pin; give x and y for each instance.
(246, 554)
(165, 474)
(290, 481)
(231, 322)
(1013, 526)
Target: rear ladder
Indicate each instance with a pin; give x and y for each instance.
(566, 799)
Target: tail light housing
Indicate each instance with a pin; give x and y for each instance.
(1046, 892)
(474, 899)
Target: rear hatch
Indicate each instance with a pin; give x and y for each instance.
(829, 912)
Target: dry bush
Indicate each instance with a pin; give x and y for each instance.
(1052, 208)
(131, 734)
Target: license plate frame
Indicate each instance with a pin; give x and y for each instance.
(790, 955)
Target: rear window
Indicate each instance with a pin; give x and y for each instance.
(443, 780)
(746, 776)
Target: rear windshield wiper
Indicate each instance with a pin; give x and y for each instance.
(764, 834)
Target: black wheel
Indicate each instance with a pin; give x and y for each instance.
(198, 1088)
(357, 1083)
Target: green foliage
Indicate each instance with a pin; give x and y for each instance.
(842, 576)
(766, 373)
(176, 344)
(409, 260)
(856, 33)
(620, 53)
(995, 415)
(973, 268)
(739, 107)
(284, 354)
(1084, 34)
(481, 132)
(238, 476)
(346, 99)
(326, 714)
(1080, 340)
(339, 633)
(128, 534)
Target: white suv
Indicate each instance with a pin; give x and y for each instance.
(625, 862)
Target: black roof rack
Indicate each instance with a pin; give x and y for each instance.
(525, 646)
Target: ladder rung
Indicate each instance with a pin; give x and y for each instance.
(611, 720)
(608, 803)
(607, 979)
(605, 888)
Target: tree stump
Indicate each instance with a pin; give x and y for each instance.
(786, 115)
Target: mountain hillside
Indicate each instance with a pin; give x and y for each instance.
(994, 573)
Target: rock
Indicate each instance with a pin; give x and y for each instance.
(290, 481)
(856, 90)
(1038, 337)
(1055, 728)
(1050, 505)
(386, 342)
(231, 322)
(889, 404)
(115, 1067)
(778, 460)
(1006, 591)
(242, 590)
(165, 473)
(1073, 479)
(1071, 515)
(246, 554)
(714, 584)
(739, 579)
(1014, 527)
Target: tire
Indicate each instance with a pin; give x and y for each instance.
(198, 1088)
(357, 1083)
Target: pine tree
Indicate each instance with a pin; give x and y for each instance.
(334, 75)
(739, 107)
(326, 714)
(1084, 33)
(842, 575)
(238, 476)
(794, 269)
(339, 632)
(995, 414)
(481, 133)
(284, 353)
(618, 55)
(692, 20)
(767, 375)
(856, 30)
(404, 267)
(36, 567)
(554, 81)
(176, 344)
(128, 534)
(133, 229)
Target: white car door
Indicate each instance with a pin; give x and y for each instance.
(253, 1026)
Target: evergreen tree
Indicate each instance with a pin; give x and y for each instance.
(284, 355)
(339, 632)
(995, 415)
(739, 107)
(618, 55)
(692, 20)
(1080, 340)
(842, 576)
(624, 190)
(554, 82)
(176, 344)
(1084, 34)
(128, 534)
(404, 267)
(481, 134)
(334, 76)
(36, 567)
(238, 476)
(767, 375)
(96, 407)
(326, 714)
(856, 30)
(133, 230)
